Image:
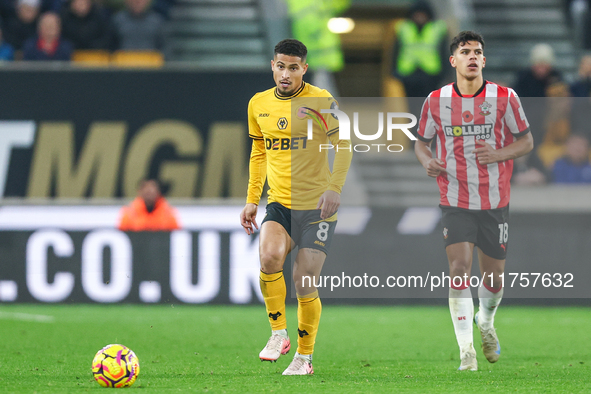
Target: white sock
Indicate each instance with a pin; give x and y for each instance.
(489, 302)
(307, 357)
(283, 333)
(461, 308)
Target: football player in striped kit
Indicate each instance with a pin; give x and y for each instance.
(479, 128)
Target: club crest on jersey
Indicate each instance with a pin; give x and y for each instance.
(282, 123)
(479, 131)
(445, 233)
(485, 108)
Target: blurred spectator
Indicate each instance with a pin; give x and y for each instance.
(574, 167)
(557, 113)
(420, 51)
(139, 28)
(556, 118)
(86, 25)
(542, 80)
(149, 211)
(23, 25)
(48, 45)
(8, 8)
(582, 86)
(529, 170)
(535, 80)
(6, 50)
(581, 89)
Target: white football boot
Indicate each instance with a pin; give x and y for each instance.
(490, 342)
(300, 365)
(276, 346)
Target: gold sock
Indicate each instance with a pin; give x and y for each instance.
(309, 310)
(274, 292)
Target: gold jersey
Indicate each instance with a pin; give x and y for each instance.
(296, 166)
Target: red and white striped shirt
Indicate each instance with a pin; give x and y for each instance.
(494, 114)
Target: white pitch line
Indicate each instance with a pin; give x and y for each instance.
(26, 317)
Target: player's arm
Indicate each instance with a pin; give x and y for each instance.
(330, 200)
(433, 165)
(516, 122)
(486, 154)
(257, 173)
(425, 134)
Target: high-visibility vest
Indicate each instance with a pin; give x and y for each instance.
(419, 49)
(309, 25)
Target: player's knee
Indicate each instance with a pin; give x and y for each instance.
(305, 284)
(272, 261)
(460, 266)
(301, 279)
(493, 278)
(305, 279)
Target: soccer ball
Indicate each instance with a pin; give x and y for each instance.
(115, 366)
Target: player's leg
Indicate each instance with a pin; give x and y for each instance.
(316, 236)
(274, 245)
(461, 306)
(307, 268)
(492, 249)
(460, 230)
(308, 264)
(490, 294)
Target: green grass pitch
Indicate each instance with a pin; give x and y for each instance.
(358, 350)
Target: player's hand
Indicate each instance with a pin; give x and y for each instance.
(248, 218)
(329, 202)
(434, 167)
(485, 153)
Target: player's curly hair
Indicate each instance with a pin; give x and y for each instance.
(291, 47)
(463, 37)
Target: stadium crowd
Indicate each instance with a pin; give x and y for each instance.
(54, 29)
(559, 116)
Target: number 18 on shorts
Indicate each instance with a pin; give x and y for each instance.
(487, 229)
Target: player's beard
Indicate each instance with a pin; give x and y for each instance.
(285, 92)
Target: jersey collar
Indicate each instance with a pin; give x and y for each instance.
(475, 94)
(293, 95)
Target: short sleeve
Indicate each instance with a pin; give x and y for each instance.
(427, 125)
(254, 129)
(515, 119)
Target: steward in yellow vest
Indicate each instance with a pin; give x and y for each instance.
(420, 52)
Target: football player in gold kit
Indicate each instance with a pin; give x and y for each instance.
(303, 195)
